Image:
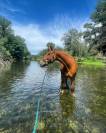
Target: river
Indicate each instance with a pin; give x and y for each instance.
(20, 89)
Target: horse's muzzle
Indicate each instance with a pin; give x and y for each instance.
(43, 64)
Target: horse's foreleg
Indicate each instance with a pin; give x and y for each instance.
(72, 86)
(64, 85)
(63, 80)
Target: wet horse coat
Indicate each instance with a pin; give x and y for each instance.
(68, 66)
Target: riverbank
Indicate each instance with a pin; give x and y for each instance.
(93, 61)
(4, 65)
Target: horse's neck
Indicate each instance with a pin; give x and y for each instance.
(62, 58)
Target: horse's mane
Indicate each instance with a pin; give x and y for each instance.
(64, 52)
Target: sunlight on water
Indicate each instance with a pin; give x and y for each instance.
(19, 91)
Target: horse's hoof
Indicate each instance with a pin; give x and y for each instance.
(62, 92)
(73, 94)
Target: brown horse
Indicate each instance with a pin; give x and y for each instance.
(68, 66)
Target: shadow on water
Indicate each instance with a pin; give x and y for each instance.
(19, 92)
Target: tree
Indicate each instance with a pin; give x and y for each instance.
(4, 53)
(99, 18)
(91, 35)
(10, 44)
(73, 43)
(17, 47)
(5, 27)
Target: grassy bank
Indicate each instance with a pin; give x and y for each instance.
(91, 61)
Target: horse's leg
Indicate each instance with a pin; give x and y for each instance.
(63, 84)
(72, 87)
(62, 75)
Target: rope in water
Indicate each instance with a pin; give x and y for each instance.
(38, 105)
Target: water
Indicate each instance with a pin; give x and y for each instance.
(19, 91)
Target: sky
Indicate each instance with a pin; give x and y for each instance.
(42, 21)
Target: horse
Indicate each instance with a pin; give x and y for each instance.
(68, 67)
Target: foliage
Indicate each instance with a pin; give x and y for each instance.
(91, 37)
(73, 42)
(11, 46)
(94, 36)
(99, 18)
(5, 27)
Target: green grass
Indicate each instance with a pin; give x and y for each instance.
(92, 61)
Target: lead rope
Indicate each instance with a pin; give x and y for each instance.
(38, 105)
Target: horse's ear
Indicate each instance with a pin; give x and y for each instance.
(50, 48)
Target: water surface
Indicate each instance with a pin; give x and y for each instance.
(20, 89)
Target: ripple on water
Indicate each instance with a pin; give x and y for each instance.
(20, 91)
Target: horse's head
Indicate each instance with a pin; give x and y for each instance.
(49, 57)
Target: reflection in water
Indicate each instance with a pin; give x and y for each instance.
(15, 72)
(67, 104)
(19, 91)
